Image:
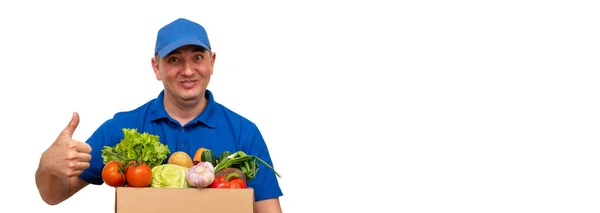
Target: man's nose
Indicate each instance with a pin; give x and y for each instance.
(188, 70)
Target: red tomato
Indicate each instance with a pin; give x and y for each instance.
(233, 183)
(111, 174)
(138, 175)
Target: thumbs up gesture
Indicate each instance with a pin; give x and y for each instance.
(67, 157)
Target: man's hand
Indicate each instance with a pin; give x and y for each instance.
(67, 157)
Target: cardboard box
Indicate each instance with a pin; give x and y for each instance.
(188, 200)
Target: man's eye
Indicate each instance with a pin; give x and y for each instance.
(173, 59)
(198, 57)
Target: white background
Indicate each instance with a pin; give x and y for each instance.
(435, 106)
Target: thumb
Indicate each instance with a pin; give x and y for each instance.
(68, 131)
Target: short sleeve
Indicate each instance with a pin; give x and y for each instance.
(101, 137)
(265, 184)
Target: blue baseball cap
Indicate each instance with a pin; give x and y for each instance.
(179, 33)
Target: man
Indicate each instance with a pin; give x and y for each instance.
(184, 115)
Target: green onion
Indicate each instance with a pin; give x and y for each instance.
(247, 163)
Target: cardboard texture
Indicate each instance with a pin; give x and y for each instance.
(188, 200)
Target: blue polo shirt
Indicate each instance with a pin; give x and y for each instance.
(217, 128)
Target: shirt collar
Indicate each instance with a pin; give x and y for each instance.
(157, 110)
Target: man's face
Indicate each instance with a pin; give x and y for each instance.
(185, 72)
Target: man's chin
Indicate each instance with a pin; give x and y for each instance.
(190, 97)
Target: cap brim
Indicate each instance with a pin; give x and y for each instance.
(179, 43)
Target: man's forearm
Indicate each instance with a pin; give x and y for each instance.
(268, 206)
(52, 189)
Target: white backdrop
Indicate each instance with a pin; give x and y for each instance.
(436, 106)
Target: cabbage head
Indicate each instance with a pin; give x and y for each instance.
(169, 176)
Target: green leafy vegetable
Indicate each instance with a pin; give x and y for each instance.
(240, 160)
(169, 176)
(144, 147)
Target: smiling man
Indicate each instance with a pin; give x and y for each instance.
(184, 115)
(185, 73)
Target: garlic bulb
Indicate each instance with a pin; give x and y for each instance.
(201, 175)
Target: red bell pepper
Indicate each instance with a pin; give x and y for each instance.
(232, 181)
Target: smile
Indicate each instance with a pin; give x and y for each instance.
(188, 84)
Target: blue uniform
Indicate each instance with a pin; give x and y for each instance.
(216, 128)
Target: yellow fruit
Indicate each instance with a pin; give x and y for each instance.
(182, 159)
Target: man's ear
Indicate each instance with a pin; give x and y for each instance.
(156, 68)
(212, 64)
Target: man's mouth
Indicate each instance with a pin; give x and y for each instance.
(188, 84)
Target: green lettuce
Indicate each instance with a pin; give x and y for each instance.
(144, 147)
